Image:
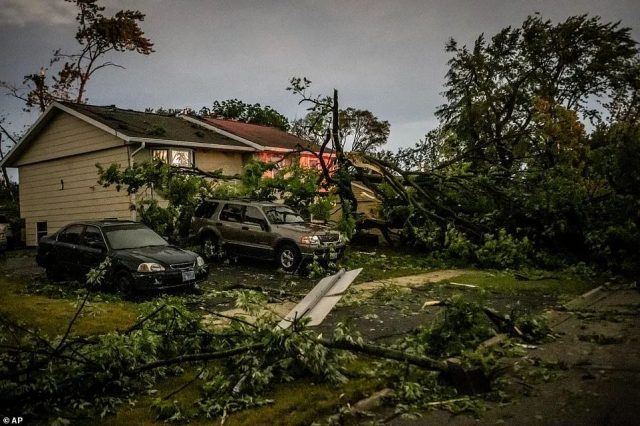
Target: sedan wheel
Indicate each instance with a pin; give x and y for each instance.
(52, 274)
(124, 282)
(289, 257)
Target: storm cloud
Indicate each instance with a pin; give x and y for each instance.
(385, 56)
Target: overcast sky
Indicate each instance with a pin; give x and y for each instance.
(384, 56)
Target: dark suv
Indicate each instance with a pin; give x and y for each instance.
(262, 230)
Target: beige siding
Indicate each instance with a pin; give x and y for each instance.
(65, 136)
(42, 197)
(230, 162)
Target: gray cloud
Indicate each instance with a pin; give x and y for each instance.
(23, 12)
(385, 56)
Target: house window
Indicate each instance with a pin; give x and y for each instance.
(160, 154)
(41, 230)
(178, 157)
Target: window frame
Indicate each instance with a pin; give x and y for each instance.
(83, 241)
(63, 232)
(39, 232)
(169, 156)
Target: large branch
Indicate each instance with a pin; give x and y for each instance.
(206, 356)
(387, 353)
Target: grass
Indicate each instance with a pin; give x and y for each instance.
(52, 316)
(297, 403)
(556, 283)
(384, 262)
(141, 413)
(303, 402)
(291, 406)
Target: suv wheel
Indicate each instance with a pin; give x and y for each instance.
(289, 257)
(210, 247)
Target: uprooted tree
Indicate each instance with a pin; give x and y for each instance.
(513, 172)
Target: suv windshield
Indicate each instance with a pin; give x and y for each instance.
(280, 215)
(132, 237)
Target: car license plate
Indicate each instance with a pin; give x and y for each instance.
(188, 275)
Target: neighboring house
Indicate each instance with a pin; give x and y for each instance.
(272, 144)
(56, 159)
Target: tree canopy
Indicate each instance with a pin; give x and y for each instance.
(519, 97)
(97, 36)
(235, 109)
(536, 149)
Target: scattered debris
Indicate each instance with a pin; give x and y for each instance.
(463, 285)
(540, 278)
(317, 304)
(522, 345)
(372, 402)
(431, 303)
(601, 339)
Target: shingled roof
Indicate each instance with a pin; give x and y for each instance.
(137, 124)
(266, 137)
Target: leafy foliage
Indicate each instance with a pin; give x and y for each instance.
(513, 175)
(462, 327)
(235, 109)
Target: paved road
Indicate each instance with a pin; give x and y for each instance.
(598, 347)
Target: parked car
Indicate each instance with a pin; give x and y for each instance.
(262, 230)
(141, 259)
(5, 230)
(10, 222)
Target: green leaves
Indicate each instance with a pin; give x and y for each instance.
(235, 109)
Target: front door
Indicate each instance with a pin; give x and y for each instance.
(229, 225)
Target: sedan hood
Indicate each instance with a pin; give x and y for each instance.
(164, 255)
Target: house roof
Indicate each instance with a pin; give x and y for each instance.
(137, 124)
(264, 136)
(132, 127)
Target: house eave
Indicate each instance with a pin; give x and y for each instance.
(187, 144)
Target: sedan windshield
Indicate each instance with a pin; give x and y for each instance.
(132, 237)
(280, 215)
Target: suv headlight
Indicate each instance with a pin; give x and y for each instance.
(312, 240)
(150, 267)
(200, 261)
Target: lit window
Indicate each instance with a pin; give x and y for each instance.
(182, 157)
(160, 154)
(174, 156)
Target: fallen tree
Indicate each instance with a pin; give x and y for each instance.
(70, 376)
